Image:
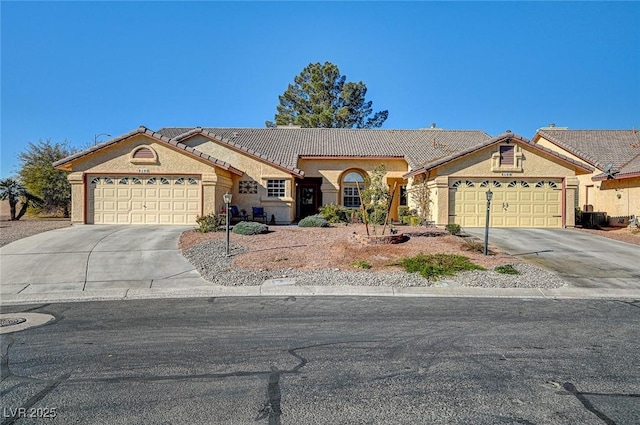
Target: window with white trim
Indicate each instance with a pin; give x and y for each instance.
(350, 183)
(276, 188)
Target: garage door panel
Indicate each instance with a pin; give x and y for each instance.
(469, 208)
(152, 200)
(525, 209)
(526, 196)
(521, 203)
(511, 196)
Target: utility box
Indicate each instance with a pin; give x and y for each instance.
(593, 219)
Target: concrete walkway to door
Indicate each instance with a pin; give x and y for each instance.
(582, 259)
(97, 258)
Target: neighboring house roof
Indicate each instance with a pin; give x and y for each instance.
(496, 140)
(621, 148)
(156, 136)
(285, 146)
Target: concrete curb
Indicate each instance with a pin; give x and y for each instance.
(292, 290)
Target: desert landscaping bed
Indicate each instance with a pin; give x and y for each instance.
(326, 256)
(621, 234)
(11, 231)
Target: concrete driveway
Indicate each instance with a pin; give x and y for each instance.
(88, 258)
(582, 259)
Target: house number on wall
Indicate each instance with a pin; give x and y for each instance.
(506, 174)
(143, 170)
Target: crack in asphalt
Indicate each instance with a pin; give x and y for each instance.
(569, 387)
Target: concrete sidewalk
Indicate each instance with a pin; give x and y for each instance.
(53, 293)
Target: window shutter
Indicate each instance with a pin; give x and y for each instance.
(143, 153)
(506, 155)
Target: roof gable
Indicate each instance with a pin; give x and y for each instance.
(496, 140)
(66, 162)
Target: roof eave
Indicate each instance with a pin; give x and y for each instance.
(66, 163)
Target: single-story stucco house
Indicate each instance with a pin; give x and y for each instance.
(614, 185)
(174, 175)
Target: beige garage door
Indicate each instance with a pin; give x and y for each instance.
(516, 203)
(143, 200)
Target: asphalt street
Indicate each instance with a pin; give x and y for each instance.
(314, 360)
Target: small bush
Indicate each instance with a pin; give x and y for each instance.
(210, 223)
(250, 228)
(433, 266)
(403, 211)
(473, 245)
(506, 269)
(452, 228)
(414, 221)
(361, 264)
(313, 221)
(335, 213)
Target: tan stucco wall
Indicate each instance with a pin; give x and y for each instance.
(615, 197)
(283, 209)
(116, 159)
(332, 170)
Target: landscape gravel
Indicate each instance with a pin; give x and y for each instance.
(211, 261)
(11, 231)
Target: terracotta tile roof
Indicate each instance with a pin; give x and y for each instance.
(285, 146)
(597, 146)
(498, 139)
(158, 137)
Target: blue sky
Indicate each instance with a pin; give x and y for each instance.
(72, 70)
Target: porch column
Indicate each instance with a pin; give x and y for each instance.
(441, 200)
(78, 199)
(571, 185)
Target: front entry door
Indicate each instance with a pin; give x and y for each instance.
(308, 200)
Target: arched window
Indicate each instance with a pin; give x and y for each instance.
(350, 183)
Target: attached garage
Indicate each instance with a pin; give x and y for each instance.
(516, 202)
(151, 199)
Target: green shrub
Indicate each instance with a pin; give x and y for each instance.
(473, 245)
(405, 219)
(376, 215)
(336, 213)
(210, 223)
(404, 211)
(506, 269)
(361, 264)
(313, 221)
(414, 221)
(453, 228)
(250, 228)
(433, 266)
